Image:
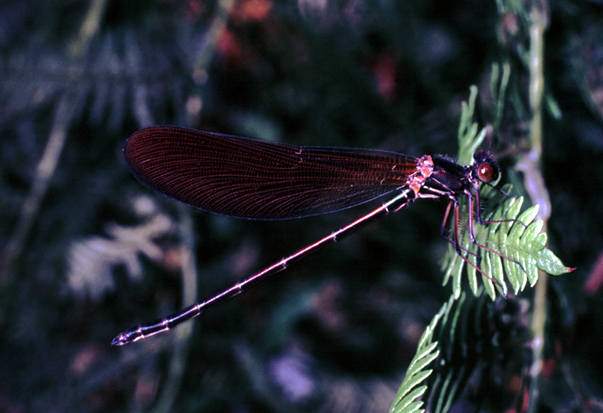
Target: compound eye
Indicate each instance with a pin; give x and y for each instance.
(487, 173)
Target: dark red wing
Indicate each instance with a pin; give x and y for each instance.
(256, 179)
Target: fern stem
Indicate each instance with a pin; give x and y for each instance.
(177, 365)
(214, 34)
(89, 27)
(44, 172)
(535, 183)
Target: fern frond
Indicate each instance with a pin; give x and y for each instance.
(515, 245)
(120, 76)
(480, 343)
(408, 393)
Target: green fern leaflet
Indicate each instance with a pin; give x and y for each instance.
(515, 247)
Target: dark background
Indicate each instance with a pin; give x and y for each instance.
(87, 251)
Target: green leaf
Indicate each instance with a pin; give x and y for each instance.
(474, 351)
(547, 261)
(406, 398)
(510, 244)
(469, 139)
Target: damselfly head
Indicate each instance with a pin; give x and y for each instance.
(485, 167)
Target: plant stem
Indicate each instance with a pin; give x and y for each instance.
(534, 183)
(44, 172)
(177, 365)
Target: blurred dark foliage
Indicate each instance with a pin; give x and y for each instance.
(88, 251)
